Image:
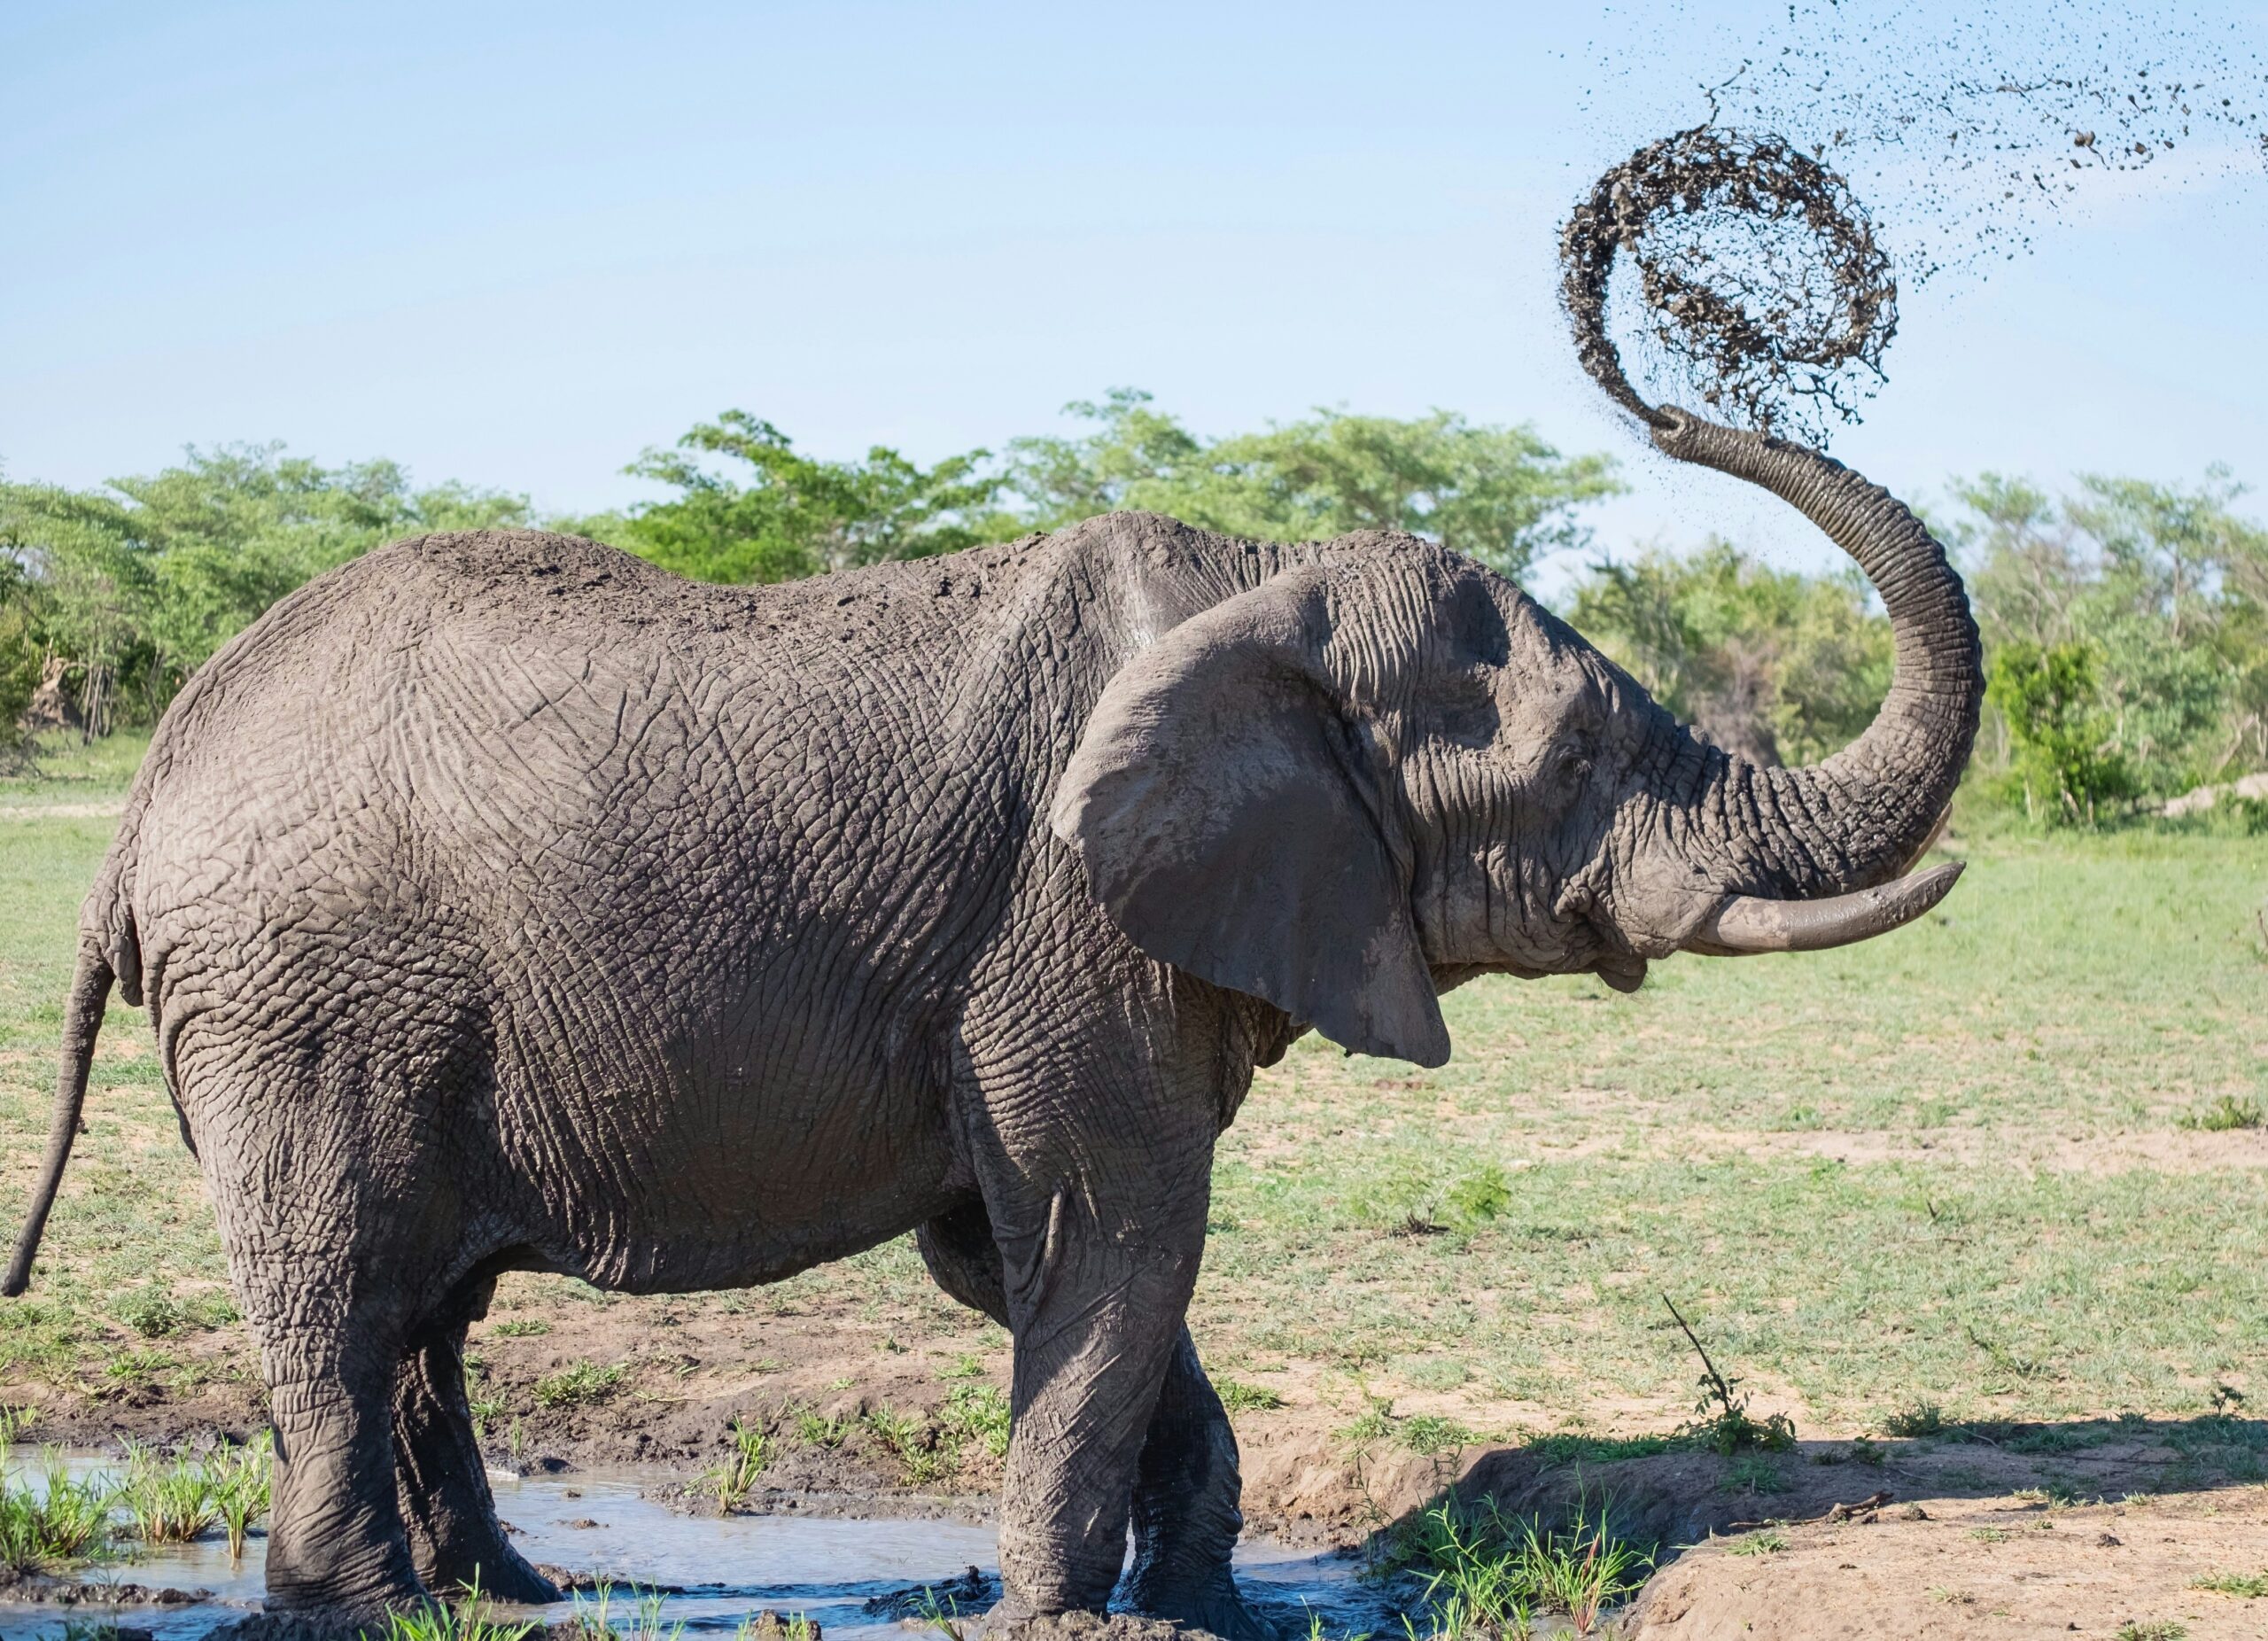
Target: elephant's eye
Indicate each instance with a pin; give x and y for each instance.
(1573, 767)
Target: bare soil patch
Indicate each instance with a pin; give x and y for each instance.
(1976, 1568)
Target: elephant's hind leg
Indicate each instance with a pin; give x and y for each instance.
(335, 1542)
(446, 1508)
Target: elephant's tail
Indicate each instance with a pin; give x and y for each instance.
(82, 1019)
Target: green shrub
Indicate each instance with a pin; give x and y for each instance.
(2060, 763)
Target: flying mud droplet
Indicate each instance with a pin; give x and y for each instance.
(1760, 289)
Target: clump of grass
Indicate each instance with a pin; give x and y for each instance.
(2160, 1630)
(815, 1429)
(521, 1327)
(56, 1521)
(1769, 1540)
(151, 1311)
(244, 1487)
(978, 1414)
(1426, 1435)
(171, 1499)
(2250, 1586)
(1866, 1450)
(1580, 1446)
(1915, 1418)
(1238, 1397)
(577, 1386)
(931, 1447)
(1488, 1573)
(592, 1619)
(1753, 1472)
(1720, 1419)
(736, 1476)
(2228, 1112)
(771, 1626)
(648, 1625)
(909, 1439)
(1480, 1198)
(942, 1616)
(437, 1621)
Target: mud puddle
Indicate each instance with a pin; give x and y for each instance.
(854, 1576)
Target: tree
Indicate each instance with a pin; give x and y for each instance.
(2065, 763)
(1771, 664)
(795, 515)
(1500, 494)
(2162, 585)
(134, 585)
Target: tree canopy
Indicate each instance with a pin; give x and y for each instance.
(133, 585)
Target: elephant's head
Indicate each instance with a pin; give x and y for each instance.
(1388, 769)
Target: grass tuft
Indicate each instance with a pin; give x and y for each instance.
(438, 1621)
(1487, 1572)
(577, 1386)
(2224, 1116)
(2250, 1586)
(55, 1521)
(1238, 1397)
(735, 1478)
(171, 1499)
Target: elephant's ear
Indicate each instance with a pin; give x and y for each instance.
(1231, 824)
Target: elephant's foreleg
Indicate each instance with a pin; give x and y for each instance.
(1185, 1513)
(1187, 1510)
(446, 1508)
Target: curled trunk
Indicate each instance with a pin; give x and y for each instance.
(1864, 815)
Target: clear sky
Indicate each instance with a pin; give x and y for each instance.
(515, 244)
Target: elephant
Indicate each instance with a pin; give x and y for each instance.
(501, 902)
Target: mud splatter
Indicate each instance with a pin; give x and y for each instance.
(1734, 262)
(1757, 272)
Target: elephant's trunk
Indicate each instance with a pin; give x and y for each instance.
(1863, 816)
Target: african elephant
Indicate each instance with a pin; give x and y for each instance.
(501, 902)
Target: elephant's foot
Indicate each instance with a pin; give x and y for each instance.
(1007, 1622)
(1212, 1604)
(503, 1574)
(308, 1623)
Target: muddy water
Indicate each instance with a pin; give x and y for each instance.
(602, 1521)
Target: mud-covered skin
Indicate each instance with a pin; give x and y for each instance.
(502, 902)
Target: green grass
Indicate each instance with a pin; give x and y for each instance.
(2224, 1114)
(464, 1621)
(2247, 1586)
(577, 1385)
(53, 1521)
(735, 1476)
(931, 1447)
(1239, 1397)
(1857, 1164)
(1911, 1175)
(171, 1499)
(1485, 1572)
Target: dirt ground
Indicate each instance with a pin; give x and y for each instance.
(2067, 1527)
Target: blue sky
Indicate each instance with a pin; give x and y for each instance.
(515, 244)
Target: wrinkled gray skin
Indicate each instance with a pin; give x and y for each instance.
(501, 902)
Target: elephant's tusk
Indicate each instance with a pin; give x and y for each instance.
(1750, 923)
